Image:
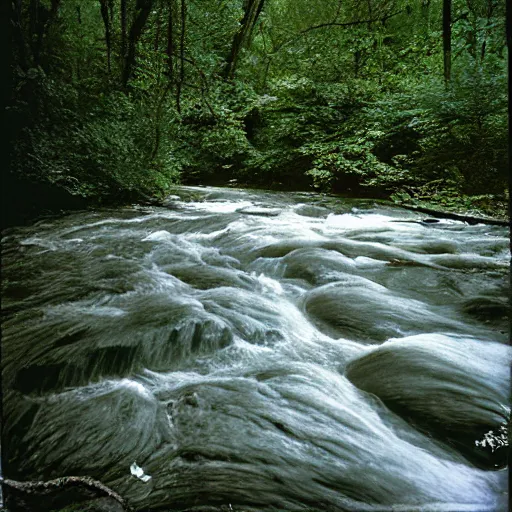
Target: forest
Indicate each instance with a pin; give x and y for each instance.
(119, 100)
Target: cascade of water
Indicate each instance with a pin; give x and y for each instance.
(257, 350)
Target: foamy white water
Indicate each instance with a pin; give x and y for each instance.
(260, 351)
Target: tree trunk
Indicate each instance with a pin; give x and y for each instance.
(158, 29)
(33, 11)
(447, 40)
(489, 13)
(254, 19)
(170, 42)
(252, 10)
(182, 56)
(79, 20)
(158, 118)
(40, 18)
(143, 8)
(106, 22)
(123, 32)
(18, 36)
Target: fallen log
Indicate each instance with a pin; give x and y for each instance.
(65, 492)
(470, 219)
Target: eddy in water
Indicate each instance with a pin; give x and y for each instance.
(254, 351)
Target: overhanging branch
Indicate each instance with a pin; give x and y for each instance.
(382, 19)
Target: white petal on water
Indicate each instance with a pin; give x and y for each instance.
(138, 472)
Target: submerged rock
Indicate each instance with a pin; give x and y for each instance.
(265, 212)
(488, 309)
(311, 210)
(454, 388)
(361, 309)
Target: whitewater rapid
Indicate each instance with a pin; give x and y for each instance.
(258, 351)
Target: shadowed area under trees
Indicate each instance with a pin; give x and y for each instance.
(120, 99)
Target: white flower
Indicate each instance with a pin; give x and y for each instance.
(138, 472)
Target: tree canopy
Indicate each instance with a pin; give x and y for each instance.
(124, 98)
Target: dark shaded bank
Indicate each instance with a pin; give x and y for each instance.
(24, 201)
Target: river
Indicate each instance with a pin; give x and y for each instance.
(258, 351)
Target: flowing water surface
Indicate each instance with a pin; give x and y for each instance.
(257, 351)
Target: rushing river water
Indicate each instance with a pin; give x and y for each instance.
(258, 351)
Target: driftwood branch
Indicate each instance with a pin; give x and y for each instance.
(54, 494)
(470, 219)
(381, 19)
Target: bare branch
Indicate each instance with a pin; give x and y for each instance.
(382, 19)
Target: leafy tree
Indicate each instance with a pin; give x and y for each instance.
(118, 99)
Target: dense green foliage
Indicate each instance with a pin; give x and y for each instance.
(126, 97)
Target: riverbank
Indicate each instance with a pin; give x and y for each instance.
(487, 209)
(484, 208)
(40, 200)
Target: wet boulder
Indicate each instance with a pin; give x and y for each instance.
(490, 310)
(358, 308)
(454, 388)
